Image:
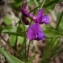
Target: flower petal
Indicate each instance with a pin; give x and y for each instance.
(31, 34)
(35, 32)
(24, 18)
(25, 12)
(40, 36)
(23, 9)
(46, 19)
(24, 4)
(39, 15)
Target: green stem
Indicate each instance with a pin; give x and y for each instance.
(59, 20)
(34, 9)
(25, 41)
(28, 49)
(19, 22)
(38, 7)
(16, 42)
(25, 48)
(43, 3)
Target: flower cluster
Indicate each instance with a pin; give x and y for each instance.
(34, 31)
(25, 14)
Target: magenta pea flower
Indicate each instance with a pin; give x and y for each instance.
(23, 9)
(40, 18)
(25, 14)
(35, 32)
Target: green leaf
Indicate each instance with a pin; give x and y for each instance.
(14, 33)
(9, 57)
(17, 3)
(50, 4)
(11, 30)
(60, 0)
(59, 25)
(12, 39)
(20, 40)
(7, 20)
(20, 28)
(52, 33)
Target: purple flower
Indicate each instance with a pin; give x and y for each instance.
(25, 14)
(24, 18)
(35, 32)
(40, 18)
